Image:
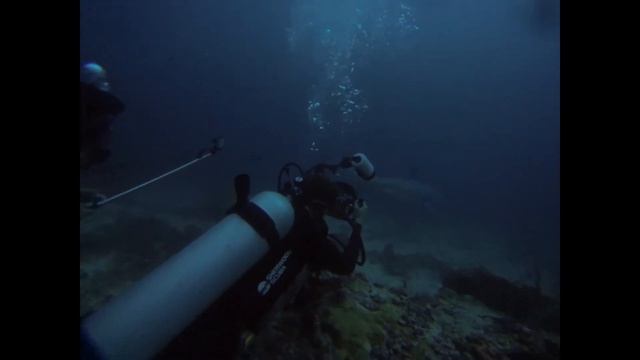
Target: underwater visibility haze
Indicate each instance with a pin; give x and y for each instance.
(455, 103)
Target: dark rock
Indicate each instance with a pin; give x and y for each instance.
(426, 312)
(524, 303)
(406, 346)
(398, 291)
(369, 304)
(449, 311)
(379, 352)
(522, 355)
(396, 301)
(552, 348)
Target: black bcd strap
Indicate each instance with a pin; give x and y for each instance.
(260, 222)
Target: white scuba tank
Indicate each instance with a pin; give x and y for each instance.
(147, 316)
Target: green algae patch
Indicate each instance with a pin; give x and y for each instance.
(354, 330)
(388, 313)
(359, 285)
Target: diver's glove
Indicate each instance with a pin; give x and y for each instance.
(90, 198)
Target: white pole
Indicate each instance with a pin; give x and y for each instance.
(102, 202)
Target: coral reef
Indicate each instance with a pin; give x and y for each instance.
(475, 315)
(117, 253)
(351, 318)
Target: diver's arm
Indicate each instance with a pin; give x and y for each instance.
(343, 262)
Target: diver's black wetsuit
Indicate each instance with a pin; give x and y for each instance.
(215, 334)
(97, 111)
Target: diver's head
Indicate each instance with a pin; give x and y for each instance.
(94, 74)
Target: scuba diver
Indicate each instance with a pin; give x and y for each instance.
(209, 299)
(98, 109)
